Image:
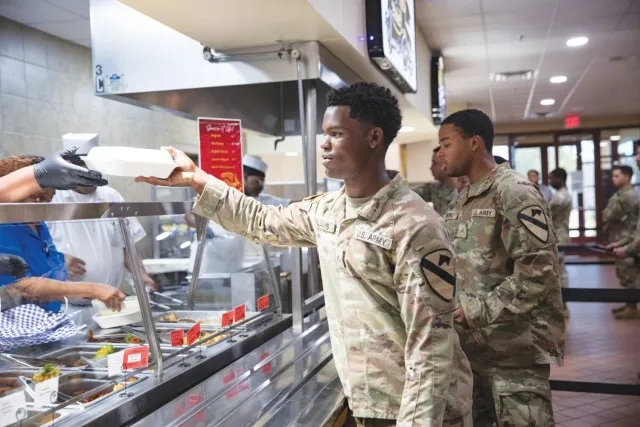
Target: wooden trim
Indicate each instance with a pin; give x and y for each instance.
(597, 167)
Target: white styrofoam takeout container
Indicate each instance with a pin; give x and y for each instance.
(130, 313)
(130, 161)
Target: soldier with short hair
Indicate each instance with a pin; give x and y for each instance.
(620, 222)
(387, 266)
(510, 306)
(440, 192)
(560, 205)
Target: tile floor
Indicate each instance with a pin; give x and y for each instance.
(601, 349)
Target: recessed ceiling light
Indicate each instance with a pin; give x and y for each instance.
(548, 101)
(558, 79)
(577, 41)
(614, 138)
(291, 154)
(404, 129)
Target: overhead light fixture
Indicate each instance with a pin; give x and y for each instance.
(615, 138)
(577, 41)
(405, 129)
(558, 79)
(185, 245)
(512, 75)
(291, 154)
(548, 101)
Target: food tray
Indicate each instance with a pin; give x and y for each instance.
(164, 334)
(130, 161)
(74, 384)
(206, 318)
(128, 316)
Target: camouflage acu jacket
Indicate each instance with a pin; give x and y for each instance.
(438, 194)
(388, 278)
(507, 272)
(560, 206)
(621, 216)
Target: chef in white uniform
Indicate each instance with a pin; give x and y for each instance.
(94, 250)
(224, 251)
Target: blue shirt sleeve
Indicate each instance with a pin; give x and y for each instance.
(10, 245)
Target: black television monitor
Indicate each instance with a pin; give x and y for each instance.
(391, 40)
(438, 100)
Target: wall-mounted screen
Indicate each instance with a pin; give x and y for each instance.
(438, 100)
(391, 40)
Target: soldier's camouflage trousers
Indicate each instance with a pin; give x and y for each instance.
(628, 272)
(512, 397)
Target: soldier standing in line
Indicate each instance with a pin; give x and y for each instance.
(386, 262)
(440, 192)
(510, 306)
(620, 222)
(560, 206)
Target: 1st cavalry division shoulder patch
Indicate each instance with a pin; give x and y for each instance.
(440, 274)
(535, 221)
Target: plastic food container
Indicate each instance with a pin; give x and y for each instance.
(129, 314)
(130, 161)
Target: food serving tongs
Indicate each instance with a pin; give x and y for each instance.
(27, 361)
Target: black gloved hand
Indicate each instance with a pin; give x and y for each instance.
(57, 172)
(13, 265)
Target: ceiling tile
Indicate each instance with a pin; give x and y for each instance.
(78, 29)
(79, 7)
(33, 11)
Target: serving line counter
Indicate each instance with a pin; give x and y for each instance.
(293, 351)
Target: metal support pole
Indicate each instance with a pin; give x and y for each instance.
(201, 233)
(297, 298)
(312, 179)
(143, 297)
(273, 280)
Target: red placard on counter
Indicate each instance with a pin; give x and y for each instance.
(134, 358)
(193, 333)
(221, 149)
(176, 337)
(239, 313)
(263, 302)
(227, 318)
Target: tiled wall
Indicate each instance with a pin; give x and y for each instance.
(46, 90)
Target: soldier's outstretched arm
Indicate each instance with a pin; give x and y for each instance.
(530, 243)
(425, 282)
(272, 225)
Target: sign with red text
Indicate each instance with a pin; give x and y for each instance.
(227, 318)
(221, 149)
(177, 338)
(193, 334)
(263, 302)
(572, 121)
(239, 313)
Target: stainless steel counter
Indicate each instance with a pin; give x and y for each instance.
(289, 380)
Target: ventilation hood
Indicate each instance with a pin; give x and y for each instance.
(143, 62)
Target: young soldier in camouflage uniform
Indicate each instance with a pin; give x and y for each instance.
(560, 206)
(386, 261)
(509, 317)
(620, 222)
(440, 192)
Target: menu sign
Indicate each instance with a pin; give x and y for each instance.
(221, 149)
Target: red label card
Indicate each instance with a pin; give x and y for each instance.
(134, 358)
(227, 318)
(193, 334)
(221, 150)
(177, 338)
(239, 313)
(263, 302)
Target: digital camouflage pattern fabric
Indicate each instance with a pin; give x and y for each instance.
(508, 288)
(512, 397)
(389, 313)
(438, 194)
(560, 206)
(620, 222)
(507, 272)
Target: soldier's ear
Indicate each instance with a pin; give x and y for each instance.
(476, 143)
(376, 138)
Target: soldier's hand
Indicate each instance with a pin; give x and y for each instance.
(620, 252)
(612, 246)
(182, 176)
(460, 318)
